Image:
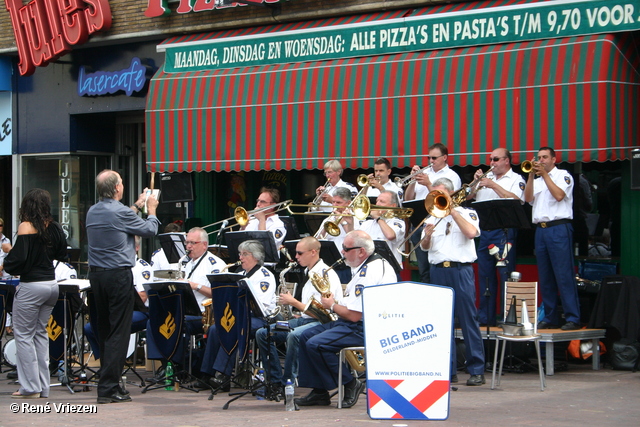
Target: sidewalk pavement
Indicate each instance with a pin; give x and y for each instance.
(577, 396)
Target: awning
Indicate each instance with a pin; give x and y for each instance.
(578, 95)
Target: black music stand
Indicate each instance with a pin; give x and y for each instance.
(190, 307)
(313, 221)
(499, 214)
(234, 238)
(173, 245)
(383, 249)
(419, 211)
(257, 310)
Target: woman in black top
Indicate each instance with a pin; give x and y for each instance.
(40, 241)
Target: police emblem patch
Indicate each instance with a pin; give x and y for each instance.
(359, 289)
(278, 234)
(146, 275)
(521, 185)
(264, 286)
(473, 216)
(567, 180)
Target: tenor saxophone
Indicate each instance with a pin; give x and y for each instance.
(285, 309)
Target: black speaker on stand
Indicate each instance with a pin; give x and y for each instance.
(176, 188)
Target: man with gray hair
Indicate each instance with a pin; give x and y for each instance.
(111, 227)
(319, 346)
(451, 254)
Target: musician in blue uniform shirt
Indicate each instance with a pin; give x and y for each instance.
(552, 198)
(451, 253)
(319, 346)
(217, 365)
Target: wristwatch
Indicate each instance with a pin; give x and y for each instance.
(331, 308)
(199, 287)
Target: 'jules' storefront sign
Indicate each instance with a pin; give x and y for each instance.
(47, 29)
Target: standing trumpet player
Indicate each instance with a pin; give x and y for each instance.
(501, 183)
(325, 193)
(308, 256)
(552, 198)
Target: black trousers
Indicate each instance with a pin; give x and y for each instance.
(114, 295)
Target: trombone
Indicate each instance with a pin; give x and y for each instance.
(438, 204)
(242, 216)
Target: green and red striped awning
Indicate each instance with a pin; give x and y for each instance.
(579, 95)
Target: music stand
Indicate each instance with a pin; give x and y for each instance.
(234, 238)
(173, 245)
(190, 307)
(419, 211)
(313, 221)
(256, 309)
(383, 249)
(329, 252)
(498, 214)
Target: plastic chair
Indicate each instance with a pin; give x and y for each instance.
(529, 292)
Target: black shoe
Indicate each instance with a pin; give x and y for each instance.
(221, 382)
(454, 379)
(476, 380)
(546, 325)
(123, 391)
(13, 375)
(114, 398)
(159, 376)
(570, 326)
(315, 398)
(201, 385)
(352, 391)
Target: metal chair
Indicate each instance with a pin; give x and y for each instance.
(356, 363)
(527, 291)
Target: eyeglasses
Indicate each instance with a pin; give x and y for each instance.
(188, 242)
(436, 157)
(346, 249)
(448, 229)
(245, 254)
(495, 159)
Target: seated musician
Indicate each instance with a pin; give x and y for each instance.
(307, 255)
(333, 173)
(319, 346)
(381, 228)
(217, 364)
(196, 265)
(142, 273)
(268, 219)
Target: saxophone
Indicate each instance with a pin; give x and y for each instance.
(282, 287)
(321, 284)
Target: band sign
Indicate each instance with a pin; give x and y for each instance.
(45, 30)
(523, 22)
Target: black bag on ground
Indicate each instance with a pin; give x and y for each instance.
(625, 355)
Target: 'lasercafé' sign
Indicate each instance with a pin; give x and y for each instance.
(532, 21)
(129, 80)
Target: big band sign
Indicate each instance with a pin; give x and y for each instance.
(523, 22)
(46, 29)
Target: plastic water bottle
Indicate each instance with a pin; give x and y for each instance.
(168, 373)
(260, 392)
(61, 371)
(288, 396)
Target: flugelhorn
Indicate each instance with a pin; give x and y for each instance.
(318, 198)
(410, 179)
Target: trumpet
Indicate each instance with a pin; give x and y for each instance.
(528, 165)
(459, 196)
(318, 198)
(410, 179)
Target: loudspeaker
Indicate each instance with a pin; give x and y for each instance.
(635, 169)
(176, 187)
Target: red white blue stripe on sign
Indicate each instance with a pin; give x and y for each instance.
(414, 406)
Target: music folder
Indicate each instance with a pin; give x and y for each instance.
(329, 252)
(234, 238)
(173, 245)
(191, 306)
(419, 211)
(383, 249)
(501, 213)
